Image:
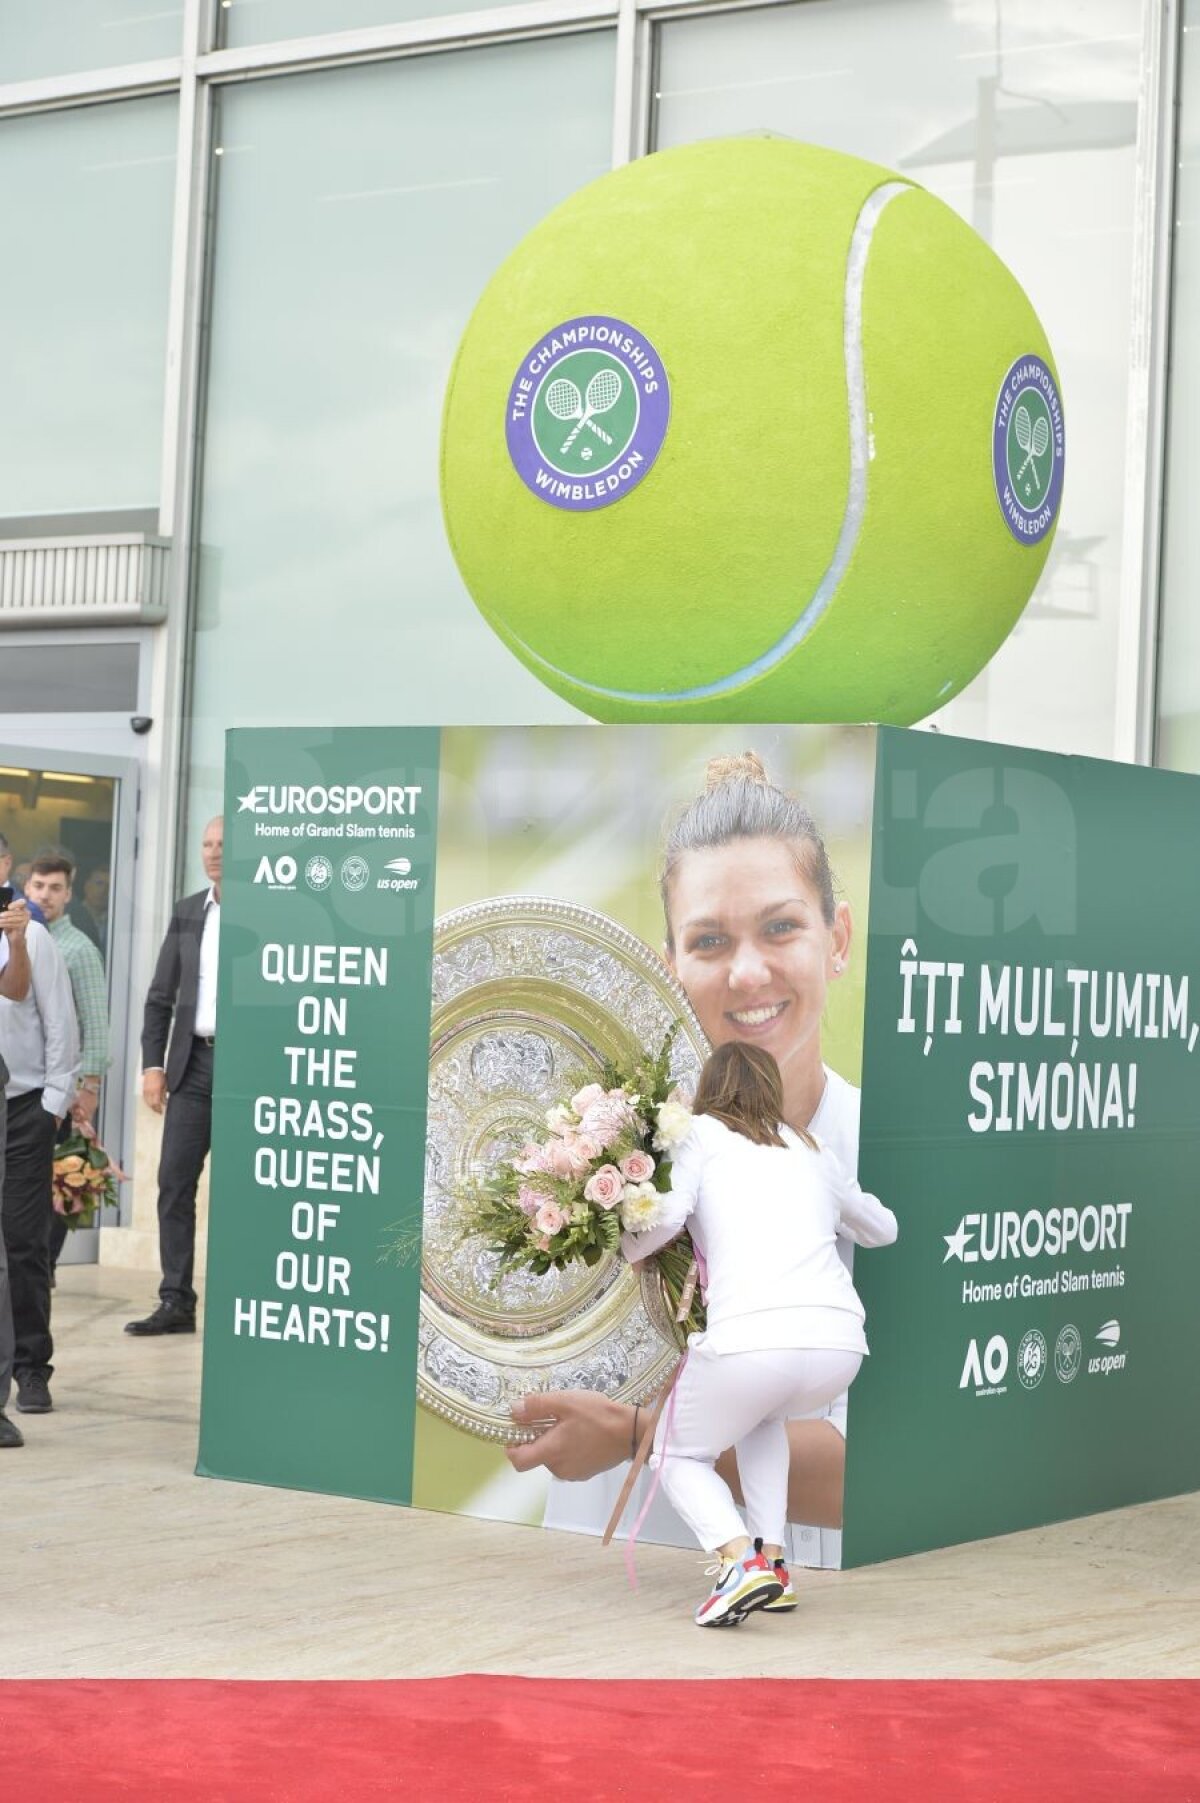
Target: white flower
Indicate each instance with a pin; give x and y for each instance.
(582, 1100)
(673, 1121)
(641, 1208)
(560, 1119)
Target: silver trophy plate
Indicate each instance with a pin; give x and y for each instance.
(528, 995)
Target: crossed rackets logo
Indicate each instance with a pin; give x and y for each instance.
(585, 413)
(1027, 449)
(1033, 437)
(565, 402)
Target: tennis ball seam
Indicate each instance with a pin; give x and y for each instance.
(856, 495)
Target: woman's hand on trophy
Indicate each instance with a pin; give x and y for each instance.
(578, 1433)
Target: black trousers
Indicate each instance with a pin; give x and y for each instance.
(187, 1135)
(26, 1215)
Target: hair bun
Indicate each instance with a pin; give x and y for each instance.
(743, 766)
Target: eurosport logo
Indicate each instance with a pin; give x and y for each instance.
(338, 798)
(1004, 1234)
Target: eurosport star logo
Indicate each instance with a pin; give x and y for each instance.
(338, 798)
(1005, 1234)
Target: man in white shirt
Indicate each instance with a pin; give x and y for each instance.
(15, 978)
(181, 1008)
(39, 1044)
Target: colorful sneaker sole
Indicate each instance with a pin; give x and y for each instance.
(784, 1603)
(729, 1611)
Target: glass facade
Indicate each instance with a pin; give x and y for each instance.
(346, 217)
(85, 221)
(1025, 122)
(261, 21)
(359, 215)
(65, 37)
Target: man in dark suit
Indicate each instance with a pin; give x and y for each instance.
(181, 1007)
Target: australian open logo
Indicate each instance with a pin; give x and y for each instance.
(1027, 449)
(587, 413)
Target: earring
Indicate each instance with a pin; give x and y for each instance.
(837, 967)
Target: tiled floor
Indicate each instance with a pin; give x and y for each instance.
(119, 1562)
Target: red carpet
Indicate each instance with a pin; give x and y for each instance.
(488, 1740)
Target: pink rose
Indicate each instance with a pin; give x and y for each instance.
(530, 1159)
(541, 1242)
(607, 1119)
(562, 1160)
(549, 1218)
(529, 1200)
(637, 1168)
(591, 1092)
(605, 1187)
(586, 1147)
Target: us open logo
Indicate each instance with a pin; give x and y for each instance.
(1027, 449)
(587, 413)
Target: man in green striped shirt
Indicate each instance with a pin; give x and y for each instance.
(50, 885)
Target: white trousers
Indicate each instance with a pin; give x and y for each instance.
(743, 1400)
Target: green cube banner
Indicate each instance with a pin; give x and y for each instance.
(319, 1108)
(428, 939)
(1031, 1111)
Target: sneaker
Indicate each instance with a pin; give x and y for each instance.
(786, 1600)
(33, 1393)
(741, 1586)
(10, 1433)
(168, 1317)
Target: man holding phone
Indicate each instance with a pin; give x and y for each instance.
(39, 1047)
(8, 880)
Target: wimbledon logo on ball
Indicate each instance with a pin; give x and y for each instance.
(587, 413)
(1027, 449)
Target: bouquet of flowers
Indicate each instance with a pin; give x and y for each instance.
(85, 1179)
(602, 1167)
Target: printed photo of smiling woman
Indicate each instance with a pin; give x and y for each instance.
(757, 935)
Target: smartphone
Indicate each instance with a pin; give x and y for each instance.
(6, 896)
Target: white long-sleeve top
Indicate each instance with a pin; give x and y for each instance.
(766, 1219)
(39, 1036)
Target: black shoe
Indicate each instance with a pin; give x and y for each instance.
(33, 1393)
(168, 1317)
(10, 1433)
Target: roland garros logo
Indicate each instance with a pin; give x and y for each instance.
(1027, 449)
(587, 413)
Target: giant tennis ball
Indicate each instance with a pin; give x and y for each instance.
(752, 430)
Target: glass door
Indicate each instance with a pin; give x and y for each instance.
(86, 807)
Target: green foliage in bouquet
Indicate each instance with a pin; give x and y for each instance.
(84, 1180)
(600, 1169)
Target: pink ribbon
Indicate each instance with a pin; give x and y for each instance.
(635, 1530)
